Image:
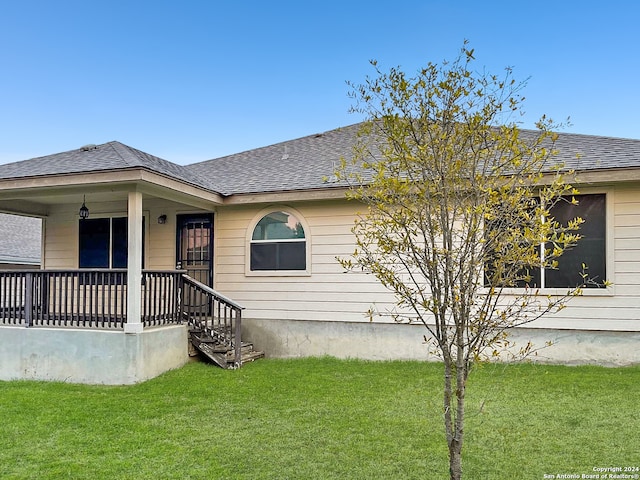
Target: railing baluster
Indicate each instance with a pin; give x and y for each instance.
(3, 296)
(75, 282)
(104, 307)
(153, 287)
(93, 290)
(83, 307)
(12, 296)
(162, 301)
(117, 287)
(50, 296)
(58, 281)
(145, 299)
(28, 299)
(156, 298)
(107, 300)
(23, 292)
(22, 289)
(64, 312)
(238, 336)
(6, 301)
(92, 297)
(123, 300)
(113, 301)
(41, 304)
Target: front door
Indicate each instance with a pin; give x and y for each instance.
(195, 246)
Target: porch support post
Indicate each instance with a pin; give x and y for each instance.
(134, 264)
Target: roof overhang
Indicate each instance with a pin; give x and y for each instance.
(580, 178)
(608, 176)
(583, 178)
(33, 195)
(36, 193)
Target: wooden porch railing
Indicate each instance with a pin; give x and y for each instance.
(86, 298)
(161, 297)
(214, 314)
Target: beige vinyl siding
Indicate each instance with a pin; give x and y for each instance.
(331, 295)
(327, 294)
(161, 253)
(61, 237)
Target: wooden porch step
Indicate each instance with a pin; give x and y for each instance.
(223, 355)
(251, 356)
(216, 357)
(206, 338)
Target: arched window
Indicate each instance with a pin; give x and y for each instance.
(278, 242)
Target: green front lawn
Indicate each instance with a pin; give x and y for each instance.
(321, 419)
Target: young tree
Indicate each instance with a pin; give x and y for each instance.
(458, 212)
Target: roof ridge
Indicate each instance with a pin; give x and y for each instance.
(117, 147)
(167, 167)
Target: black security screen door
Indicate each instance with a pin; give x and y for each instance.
(195, 246)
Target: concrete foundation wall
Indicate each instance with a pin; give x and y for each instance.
(90, 356)
(384, 341)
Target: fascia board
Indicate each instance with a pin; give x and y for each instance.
(161, 185)
(290, 196)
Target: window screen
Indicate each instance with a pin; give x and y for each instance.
(94, 242)
(103, 243)
(591, 248)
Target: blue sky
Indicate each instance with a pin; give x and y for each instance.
(192, 80)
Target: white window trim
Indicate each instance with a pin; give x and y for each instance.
(277, 273)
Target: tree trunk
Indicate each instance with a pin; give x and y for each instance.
(454, 396)
(455, 461)
(451, 420)
(455, 446)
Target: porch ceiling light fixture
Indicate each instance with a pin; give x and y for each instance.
(84, 211)
(162, 219)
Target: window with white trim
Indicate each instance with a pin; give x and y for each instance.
(589, 252)
(278, 243)
(591, 249)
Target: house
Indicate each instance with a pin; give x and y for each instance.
(251, 240)
(20, 242)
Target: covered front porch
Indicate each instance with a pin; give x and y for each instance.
(108, 305)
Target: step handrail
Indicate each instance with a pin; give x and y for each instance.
(229, 315)
(212, 292)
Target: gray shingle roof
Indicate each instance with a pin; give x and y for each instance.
(20, 239)
(306, 162)
(590, 152)
(301, 164)
(95, 158)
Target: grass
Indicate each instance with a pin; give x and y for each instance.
(321, 419)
